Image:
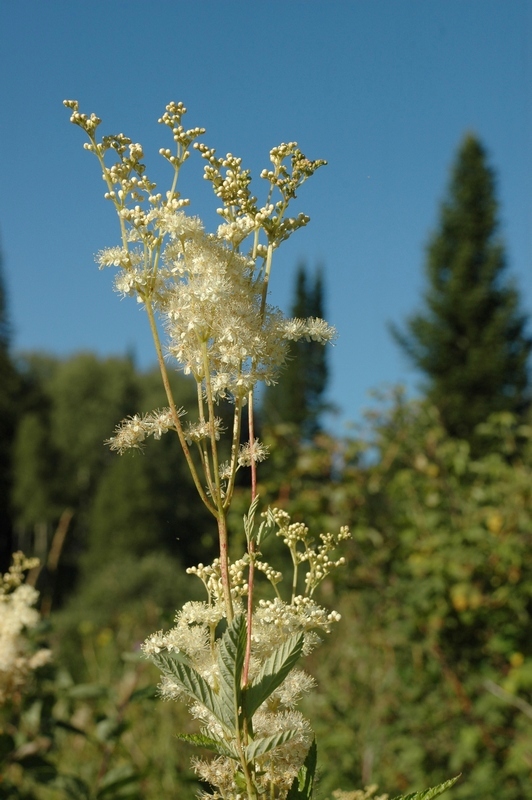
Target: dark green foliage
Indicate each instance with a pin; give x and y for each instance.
(98, 739)
(9, 399)
(436, 612)
(297, 399)
(303, 784)
(470, 341)
(121, 506)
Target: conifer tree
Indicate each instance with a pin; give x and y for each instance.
(9, 384)
(470, 341)
(298, 397)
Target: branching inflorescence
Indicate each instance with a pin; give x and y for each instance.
(210, 291)
(17, 616)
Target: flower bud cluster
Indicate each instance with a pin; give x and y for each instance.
(88, 124)
(295, 536)
(273, 575)
(172, 119)
(211, 577)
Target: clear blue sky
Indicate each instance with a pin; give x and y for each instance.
(383, 89)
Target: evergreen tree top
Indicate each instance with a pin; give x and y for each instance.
(470, 340)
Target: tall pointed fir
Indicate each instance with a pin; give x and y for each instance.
(9, 384)
(297, 400)
(470, 341)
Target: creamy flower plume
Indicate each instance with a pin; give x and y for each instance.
(17, 616)
(233, 660)
(132, 432)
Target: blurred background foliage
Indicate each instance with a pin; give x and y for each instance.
(428, 674)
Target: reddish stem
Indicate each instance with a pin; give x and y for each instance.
(251, 544)
(224, 566)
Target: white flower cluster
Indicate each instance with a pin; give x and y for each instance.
(214, 321)
(132, 432)
(296, 537)
(273, 624)
(250, 453)
(277, 768)
(197, 431)
(275, 621)
(17, 615)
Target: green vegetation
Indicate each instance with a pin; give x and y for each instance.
(429, 673)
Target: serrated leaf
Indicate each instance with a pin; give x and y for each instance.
(191, 682)
(249, 519)
(303, 783)
(266, 527)
(231, 651)
(427, 794)
(222, 748)
(258, 747)
(273, 672)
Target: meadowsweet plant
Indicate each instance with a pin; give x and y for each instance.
(232, 659)
(17, 616)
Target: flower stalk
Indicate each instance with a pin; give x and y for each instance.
(210, 291)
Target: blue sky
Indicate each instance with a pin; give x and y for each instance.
(383, 89)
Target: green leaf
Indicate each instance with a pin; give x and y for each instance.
(42, 770)
(7, 745)
(109, 729)
(427, 794)
(146, 693)
(87, 691)
(231, 654)
(192, 683)
(273, 672)
(73, 787)
(67, 726)
(303, 783)
(263, 745)
(115, 779)
(249, 519)
(198, 739)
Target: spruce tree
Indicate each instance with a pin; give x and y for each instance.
(9, 391)
(298, 397)
(470, 340)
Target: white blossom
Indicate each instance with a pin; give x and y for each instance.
(17, 617)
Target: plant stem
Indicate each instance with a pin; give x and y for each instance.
(251, 547)
(224, 565)
(173, 409)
